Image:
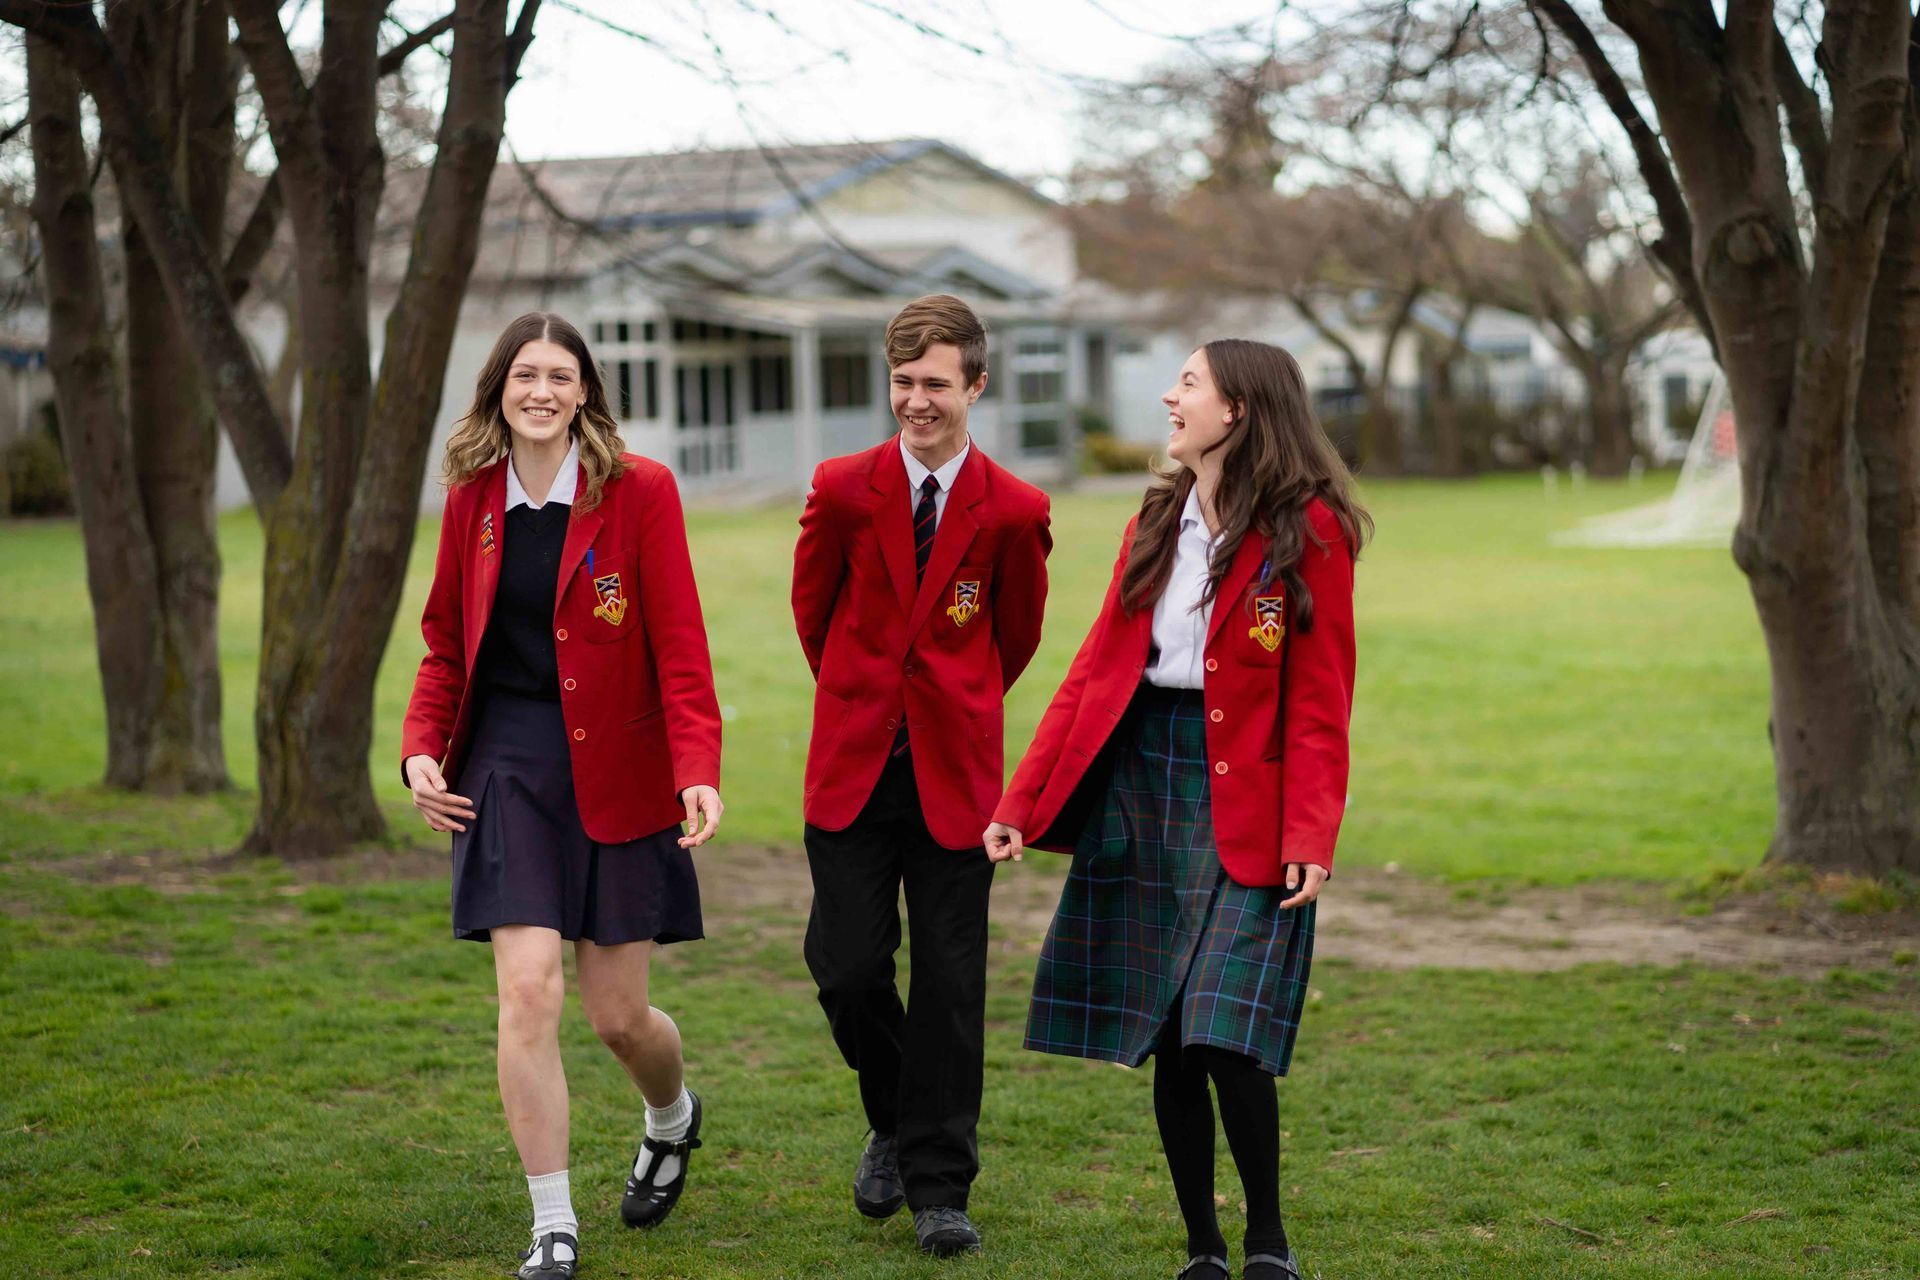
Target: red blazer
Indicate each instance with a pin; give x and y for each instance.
(1277, 716)
(945, 654)
(636, 686)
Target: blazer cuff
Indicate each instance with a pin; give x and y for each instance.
(1014, 813)
(698, 771)
(1314, 851)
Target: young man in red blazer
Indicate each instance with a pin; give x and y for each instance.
(919, 583)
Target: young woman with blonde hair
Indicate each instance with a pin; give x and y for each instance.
(567, 694)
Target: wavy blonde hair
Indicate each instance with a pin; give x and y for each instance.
(481, 436)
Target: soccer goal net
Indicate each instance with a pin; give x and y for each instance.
(1705, 502)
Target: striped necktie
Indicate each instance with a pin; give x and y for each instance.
(923, 526)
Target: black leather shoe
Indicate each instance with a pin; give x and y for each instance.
(876, 1183)
(647, 1204)
(945, 1231)
(1204, 1266)
(1271, 1266)
(538, 1262)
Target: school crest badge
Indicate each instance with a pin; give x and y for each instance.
(486, 534)
(966, 603)
(1270, 621)
(613, 605)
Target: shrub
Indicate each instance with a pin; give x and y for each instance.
(1110, 455)
(37, 477)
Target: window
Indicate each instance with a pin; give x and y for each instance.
(1042, 387)
(599, 331)
(623, 394)
(770, 383)
(621, 332)
(846, 380)
(650, 377)
(1040, 435)
(647, 330)
(1038, 347)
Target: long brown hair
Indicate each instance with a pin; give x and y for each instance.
(1276, 461)
(481, 437)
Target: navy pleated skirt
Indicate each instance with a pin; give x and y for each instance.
(527, 860)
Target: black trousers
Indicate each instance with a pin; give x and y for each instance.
(919, 1065)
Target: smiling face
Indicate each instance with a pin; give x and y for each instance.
(930, 397)
(542, 393)
(1199, 416)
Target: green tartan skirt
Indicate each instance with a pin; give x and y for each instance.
(1149, 925)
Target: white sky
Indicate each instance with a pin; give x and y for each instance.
(841, 71)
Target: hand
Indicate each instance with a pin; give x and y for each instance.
(701, 802)
(1001, 842)
(1307, 878)
(430, 795)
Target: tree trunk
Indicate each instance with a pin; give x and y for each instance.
(1610, 418)
(329, 612)
(1381, 450)
(122, 578)
(1449, 449)
(182, 54)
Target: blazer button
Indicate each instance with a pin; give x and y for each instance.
(893, 724)
(567, 684)
(580, 735)
(911, 670)
(1217, 716)
(561, 634)
(1218, 768)
(1211, 664)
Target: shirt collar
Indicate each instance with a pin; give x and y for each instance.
(949, 470)
(1193, 520)
(564, 482)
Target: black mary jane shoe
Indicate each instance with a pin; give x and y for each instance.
(647, 1204)
(1271, 1266)
(538, 1262)
(1204, 1266)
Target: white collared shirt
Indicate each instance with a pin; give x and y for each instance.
(564, 482)
(1179, 620)
(917, 475)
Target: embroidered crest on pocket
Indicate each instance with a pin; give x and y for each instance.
(966, 602)
(613, 605)
(1271, 626)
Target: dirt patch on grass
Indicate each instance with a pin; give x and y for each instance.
(1380, 919)
(1372, 917)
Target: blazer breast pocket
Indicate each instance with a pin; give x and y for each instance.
(609, 599)
(1257, 633)
(960, 610)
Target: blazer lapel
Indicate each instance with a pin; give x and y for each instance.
(893, 521)
(1233, 588)
(951, 540)
(492, 519)
(580, 531)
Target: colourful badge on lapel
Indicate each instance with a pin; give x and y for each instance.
(613, 605)
(1271, 612)
(966, 603)
(486, 534)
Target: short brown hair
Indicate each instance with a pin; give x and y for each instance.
(938, 317)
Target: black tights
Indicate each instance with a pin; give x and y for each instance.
(1249, 1112)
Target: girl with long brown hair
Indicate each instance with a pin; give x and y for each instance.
(1194, 762)
(567, 693)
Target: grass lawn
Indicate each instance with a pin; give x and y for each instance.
(236, 1073)
(244, 1070)
(1524, 711)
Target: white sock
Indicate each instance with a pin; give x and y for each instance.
(553, 1211)
(665, 1124)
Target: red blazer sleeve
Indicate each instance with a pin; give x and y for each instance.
(1316, 700)
(677, 635)
(819, 568)
(1020, 595)
(442, 678)
(1050, 738)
